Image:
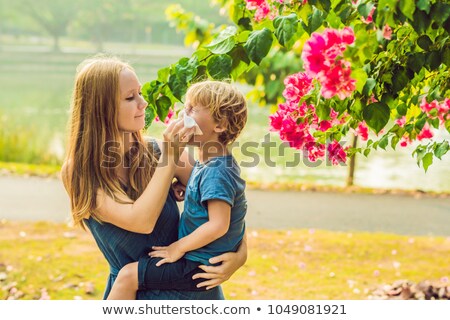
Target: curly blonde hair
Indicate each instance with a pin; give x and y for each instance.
(226, 104)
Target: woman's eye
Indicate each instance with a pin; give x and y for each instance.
(130, 98)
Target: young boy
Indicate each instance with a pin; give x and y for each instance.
(212, 222)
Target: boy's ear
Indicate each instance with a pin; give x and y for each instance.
(220, 127)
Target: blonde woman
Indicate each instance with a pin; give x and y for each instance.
(119, 182)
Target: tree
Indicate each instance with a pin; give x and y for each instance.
(333, 67)
(53, 16)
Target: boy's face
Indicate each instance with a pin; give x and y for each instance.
(205, 121)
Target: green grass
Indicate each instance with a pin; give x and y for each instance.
(288, 264)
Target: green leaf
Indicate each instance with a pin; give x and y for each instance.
(399, 80)
(163, 74)
(376, 115)
(361, 77)
(365, 8)
(421, 21)
(384, 142)
(315, 20)
(368, 86)
(402, 109)
(246, 23)
(186, 68)
(394, 142)
(427, 161)
(366, 152)
(323, 111)
(424, 5)
(150, 115)
(286, 27)
(177, 86)
(258, 44)
(434, 60)
(407, 7)
(440, 12)
(420, 124)
(219, 67)
(441, 149)
(240, 62)
(163, 104)
(446, 56)
(416, 61)
(424, 42)
(224, 42)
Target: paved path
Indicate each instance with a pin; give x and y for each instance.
(45, 199)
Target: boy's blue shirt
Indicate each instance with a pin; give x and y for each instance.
(219, 178)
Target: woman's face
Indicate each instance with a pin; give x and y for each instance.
(132, 105)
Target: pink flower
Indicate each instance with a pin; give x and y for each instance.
(314, 59)
(362, 131)
(426, 133)
(336, 154)
(297, 85)
(369, 18)
(322, 58)
(315, 151)
(405, 141)
(324, 125)
(262, 8)
(401, 122)
(427, 107)
(337, 81)
(168, 118)
(387, 32)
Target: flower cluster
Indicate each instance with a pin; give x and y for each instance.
(168, 118)
(296, 122)
(433, 110)
(323, 59)
(266, 8)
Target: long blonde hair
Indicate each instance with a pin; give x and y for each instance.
(93, 130)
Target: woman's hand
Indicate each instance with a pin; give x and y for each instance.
(175, 140)
(230, 262)
(179, 190)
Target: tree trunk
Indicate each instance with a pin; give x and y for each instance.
(351, 168)
(56, 47)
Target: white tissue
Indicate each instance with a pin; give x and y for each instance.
(189, 122)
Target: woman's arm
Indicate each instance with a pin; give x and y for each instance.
(230, 263)
(141, 216)
(184, 167)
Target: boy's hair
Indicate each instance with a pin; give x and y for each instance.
(226, 104)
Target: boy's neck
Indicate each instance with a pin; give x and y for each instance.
(208, 151)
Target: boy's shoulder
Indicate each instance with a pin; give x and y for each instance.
(218, 165)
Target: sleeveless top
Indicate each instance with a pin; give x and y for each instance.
(120, 247)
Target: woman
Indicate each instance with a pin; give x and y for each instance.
(119, 183)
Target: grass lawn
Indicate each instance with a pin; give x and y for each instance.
(63, 262)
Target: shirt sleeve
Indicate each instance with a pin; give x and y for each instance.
(217, 184)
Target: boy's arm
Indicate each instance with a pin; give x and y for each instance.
(219, 213)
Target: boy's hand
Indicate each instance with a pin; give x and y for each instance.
(169, 254)
(179, 190)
